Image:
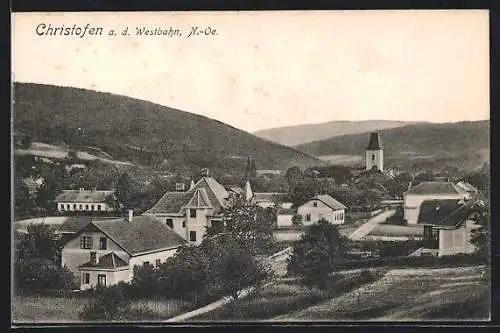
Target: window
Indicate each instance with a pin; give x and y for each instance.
(86, 242)
(86, 278)
(81, 207)
(192, 213)
(183, 224)
(74, 207)
(315, 204)
(103, 243)
(91, 207)
(192, 236)
(170, 223)
(99, 207)
(308, 217)
(373, 157)
(157, 263)
(146, 263)
(93, 257)
(86, 207)
(67, 207)
(101, 280)
(61, 207)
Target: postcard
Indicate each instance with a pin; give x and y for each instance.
(274, 166)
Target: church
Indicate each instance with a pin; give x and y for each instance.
(374, 155)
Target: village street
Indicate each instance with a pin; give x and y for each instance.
(365, 229)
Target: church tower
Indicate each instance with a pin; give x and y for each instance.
(375, 153)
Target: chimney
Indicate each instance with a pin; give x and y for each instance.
(81, 189)
(180, 187)
(205, 172)
(191, 186)
(130, 216)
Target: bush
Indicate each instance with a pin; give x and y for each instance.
(109, 304)
(42, 274)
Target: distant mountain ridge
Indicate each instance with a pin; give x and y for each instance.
(301, 134)
(142, 132)
(463, 142)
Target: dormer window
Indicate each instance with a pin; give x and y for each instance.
(315, 204)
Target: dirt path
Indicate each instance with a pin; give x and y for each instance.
(371, 224)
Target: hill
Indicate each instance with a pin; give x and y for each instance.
(463, 144)
(141, 132)
(295, 135)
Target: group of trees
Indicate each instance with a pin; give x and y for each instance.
(37, 260)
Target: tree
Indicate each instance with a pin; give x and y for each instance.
(39, 243)
(233, 267)
(248, 224)
(481, 235)
(317, 253)
(124, 192)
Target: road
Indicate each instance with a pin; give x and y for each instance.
(366, 228)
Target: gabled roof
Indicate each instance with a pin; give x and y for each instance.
(435, 188)
(329, 201)
(145, 233)
(214, 195)
(444, 213)
(75, 223)
(108, 261)
(375, 142)
(91, 196)
(199, 199)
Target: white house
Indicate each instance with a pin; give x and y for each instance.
(105, 252)
(284, 217)
(82, 200)
(190, 213)
(448, 226)
(414, 197)
(322, 206)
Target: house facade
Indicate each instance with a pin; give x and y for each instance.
(448, 226)
(105, 252)
(322, 206)
(190, 213)
(414, 197)
(82, 200)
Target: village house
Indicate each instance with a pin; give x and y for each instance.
(448, 225)
(82, 200)
(468, 188)
(105, 252)
(189, 213)
(414, 197)
(322, 206)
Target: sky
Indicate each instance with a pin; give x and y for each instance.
(271, 69)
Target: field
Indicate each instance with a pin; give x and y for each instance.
(283, 296)
(57, 152)
(52, 309)
(461, 293)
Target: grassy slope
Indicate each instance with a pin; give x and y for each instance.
(469, 140)
(409, 294)
(123, 126)
(300, 134)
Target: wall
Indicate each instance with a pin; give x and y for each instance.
(177, 222)
(455, 241)
(72, 256)
(86, 206)
(413, 202)
(321, 211)
(112, 277)
(151, 257)
(284, 220)
(379, 159)
(198, 224)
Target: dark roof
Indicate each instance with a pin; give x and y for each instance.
(75, 223)
(444, 213)
(375, 142)
(435, 188)
(329, 201)
(110, 260)
(83, 196)
(145, 233)
(214, 195)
